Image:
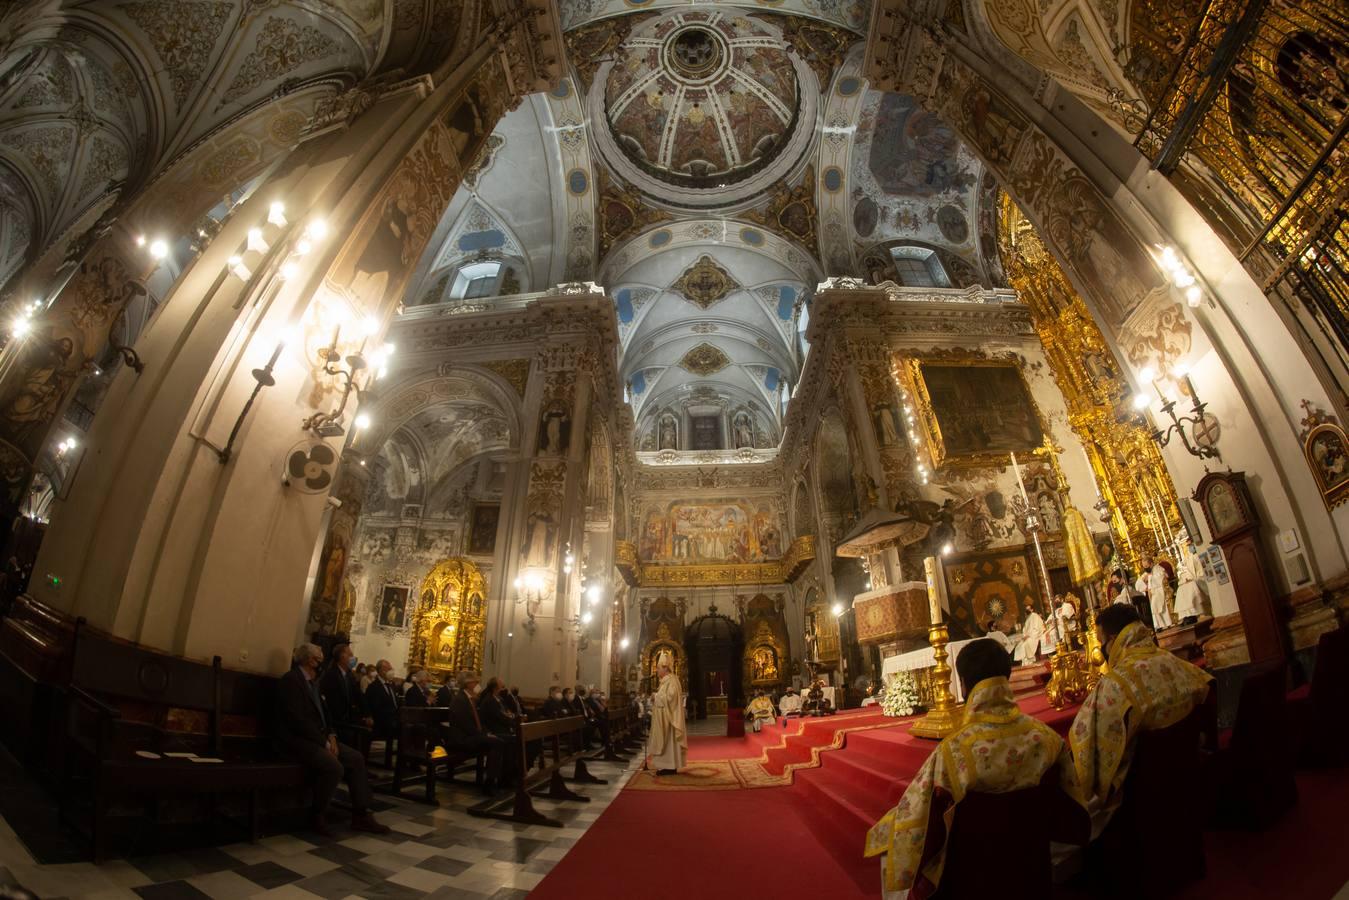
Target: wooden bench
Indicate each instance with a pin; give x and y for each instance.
(126, 707)
(550, 733)
(419, 736)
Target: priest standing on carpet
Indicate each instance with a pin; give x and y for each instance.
(668, 742)
(1145, 688)
(1032, 633)
(997, 749)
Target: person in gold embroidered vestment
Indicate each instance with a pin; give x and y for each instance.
(1145, 688)
(997, 749)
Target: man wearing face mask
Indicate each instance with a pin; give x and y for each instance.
(382, 701)
(342, 699)
(553, 707)
(304, 734)
(464, 733)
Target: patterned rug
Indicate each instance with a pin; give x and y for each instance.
(739, 774)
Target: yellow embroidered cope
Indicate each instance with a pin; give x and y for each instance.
(997, 749)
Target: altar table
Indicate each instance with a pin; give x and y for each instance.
(925, 658)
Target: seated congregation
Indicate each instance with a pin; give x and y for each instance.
(1084, 809)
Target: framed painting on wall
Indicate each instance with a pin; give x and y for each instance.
(392, 611)
(976, 411)
(482, 536)
(1328, 455)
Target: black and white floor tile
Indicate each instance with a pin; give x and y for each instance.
(439, 852)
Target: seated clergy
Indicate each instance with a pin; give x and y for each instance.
(995, 633)
(304, 735)
(760, 711)
(789, 704)
(1145, 688)
(997, 749)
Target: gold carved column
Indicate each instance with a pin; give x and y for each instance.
(1125, 461)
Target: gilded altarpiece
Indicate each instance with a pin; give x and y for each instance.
(767, 662)
(447, 633)
(1125, 461)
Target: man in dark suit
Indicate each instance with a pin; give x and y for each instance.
(382, 701)
(342, 699)
(417, 694)
(445, 694)
(304, 735)
(514, 703)
(464, 733)
(553, 707)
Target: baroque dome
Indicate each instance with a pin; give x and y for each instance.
(702, 102)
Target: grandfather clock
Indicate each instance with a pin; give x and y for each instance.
(1235, 526)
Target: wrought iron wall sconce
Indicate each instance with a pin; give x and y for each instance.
(264, 378)
(530, 589)
(1202, 439)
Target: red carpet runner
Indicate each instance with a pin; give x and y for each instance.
(805, 840)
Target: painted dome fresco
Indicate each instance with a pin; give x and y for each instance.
(704, 100)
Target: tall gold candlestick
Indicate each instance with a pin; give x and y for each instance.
(944, 716)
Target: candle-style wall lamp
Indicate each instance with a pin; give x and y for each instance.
(1202, 439)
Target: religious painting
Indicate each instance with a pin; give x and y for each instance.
(392, 609)
(913, 152)
(1215, 566)
(705, 432)
(482, 539)
(555, 430)
(1328, 455)
(989, 588)
(384, 247)
(710, 532)
(976, 411)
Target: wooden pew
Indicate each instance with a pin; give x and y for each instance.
(419, 736)
(550, 732)
(126, 707)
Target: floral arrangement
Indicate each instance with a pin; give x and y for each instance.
(901, 695)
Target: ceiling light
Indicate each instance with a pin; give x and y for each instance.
(1147, 373)
(159, 249)
(288, 269)
(1183, 279)
(1141, 401)
(362, 421)
(317, 229)
(1193, 295)
(255, 241)
(371, 325)
(1180, 370)
(586, 617)
(303, 246)
(837, 609)
(20, 327)
(947, 549)
(276, 214)
(623, 644)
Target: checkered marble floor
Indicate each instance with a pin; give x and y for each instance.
(439, 852)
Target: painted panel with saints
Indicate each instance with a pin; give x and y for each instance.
(716, 531)
(981, 409)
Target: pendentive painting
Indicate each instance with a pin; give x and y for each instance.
(726, 531)
(977, 410)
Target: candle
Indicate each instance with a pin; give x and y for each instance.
(1091, 472)
(1019, 482)
(932, 568)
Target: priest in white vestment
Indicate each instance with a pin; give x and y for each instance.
(1159, 598)
(668, 742)
(1192, 591)
(790, 703)
(1032, 634)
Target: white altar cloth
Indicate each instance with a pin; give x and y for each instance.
(923, 658)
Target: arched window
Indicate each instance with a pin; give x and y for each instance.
(919, 267)
(476, 280)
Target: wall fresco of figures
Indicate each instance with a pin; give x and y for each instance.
(710, 531)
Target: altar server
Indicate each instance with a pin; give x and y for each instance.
(997, 749)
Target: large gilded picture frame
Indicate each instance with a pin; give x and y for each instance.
(974, 410)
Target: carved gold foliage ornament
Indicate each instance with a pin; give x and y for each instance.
(705, 283)
(514, 371)
(705, 360)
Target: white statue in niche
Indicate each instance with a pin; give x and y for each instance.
(743, 430)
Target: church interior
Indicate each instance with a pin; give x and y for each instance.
(793, 382)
